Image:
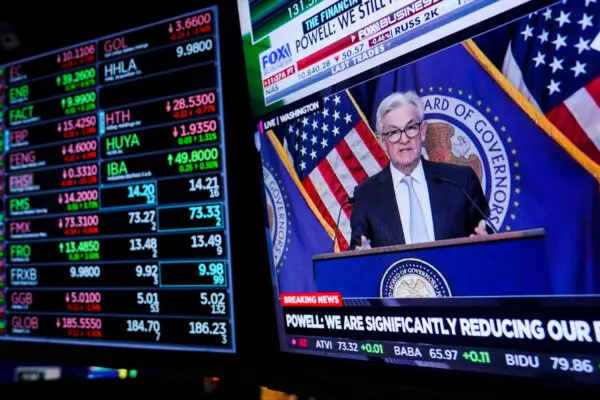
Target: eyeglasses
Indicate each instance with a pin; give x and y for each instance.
(395, 135)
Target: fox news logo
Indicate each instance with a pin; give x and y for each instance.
(276, 59)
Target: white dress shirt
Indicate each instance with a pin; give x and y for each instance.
(422, 191)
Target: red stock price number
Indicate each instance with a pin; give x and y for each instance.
(194, 105)
(83, 301)
(77, 127)
(190, 26)
(80, 151)
(80, 196)
(79, 225)
(195, 128)
(78, 56)
(80, 327)
(79, 175)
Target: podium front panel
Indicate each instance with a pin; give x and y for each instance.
(500, 268)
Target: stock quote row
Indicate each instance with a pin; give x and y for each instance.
(493, 360)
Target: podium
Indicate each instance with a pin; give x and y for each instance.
(502, 264)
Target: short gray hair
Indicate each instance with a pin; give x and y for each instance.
(396, 100)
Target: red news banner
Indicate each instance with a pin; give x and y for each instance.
(333, 299)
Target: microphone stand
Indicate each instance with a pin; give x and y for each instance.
(337, 222)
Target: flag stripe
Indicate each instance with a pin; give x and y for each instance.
(331, 179)
(324, 191)
(327, 216)
(372, 144)
(562, 118)
(329, 199)
(593, 89)
(513, 73)
(345, 232)
(343, 173)
(351, 162)
(314, 196)
(584, 109)
(362, 153)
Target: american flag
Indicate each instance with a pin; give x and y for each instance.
(333, 150)
(555, 61)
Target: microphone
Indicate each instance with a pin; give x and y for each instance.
(349, 201)
(439, 179)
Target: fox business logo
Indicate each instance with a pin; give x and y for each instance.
(273, 60)
(401, 15)
(413, 278)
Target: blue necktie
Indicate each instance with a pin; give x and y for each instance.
(418, 229)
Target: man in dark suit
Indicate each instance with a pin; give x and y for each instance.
(411, 200)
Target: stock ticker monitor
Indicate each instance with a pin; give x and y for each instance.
(115, 219)
(430, 175)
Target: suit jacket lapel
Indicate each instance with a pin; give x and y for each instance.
(436, 199)
(389, 206)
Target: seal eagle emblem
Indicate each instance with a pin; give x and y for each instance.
(413, 278)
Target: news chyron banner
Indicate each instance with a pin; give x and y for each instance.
(296, 48)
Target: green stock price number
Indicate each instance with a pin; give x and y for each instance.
(195, 160)
(372, 348)
(84, 250)
(209, 329)
(77, 80)
(477, 357)
(216, 270)
(77, 103)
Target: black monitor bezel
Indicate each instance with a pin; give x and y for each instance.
(259, 359)
(249, 280)
(356, 378)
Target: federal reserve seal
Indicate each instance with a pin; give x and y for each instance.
(462, 130)
(411, 277)
(278, 216)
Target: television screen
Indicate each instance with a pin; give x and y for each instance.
(115, 221)
(430, 176)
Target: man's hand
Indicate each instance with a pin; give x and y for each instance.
(364, 244)
(480, 229)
